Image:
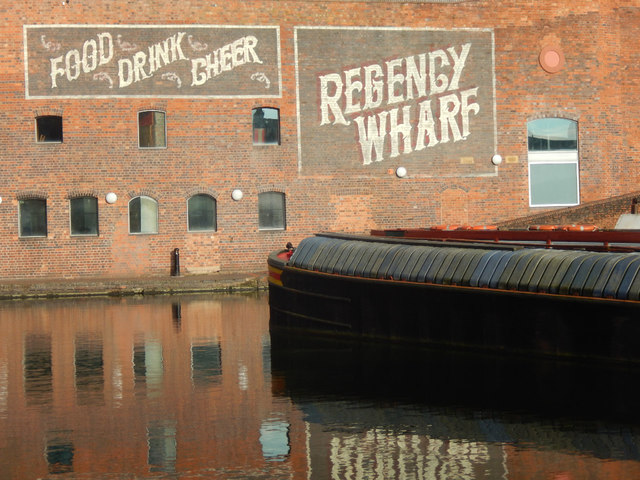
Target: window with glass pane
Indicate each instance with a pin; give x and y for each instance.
(548, 134)
(201, 213)
(143, 215)
(266, 126)
(553, 162)
(33, 217)
(84, 216)
(49, 129)
(271, 211)
(152, 129)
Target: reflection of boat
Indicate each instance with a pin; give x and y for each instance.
(427, 409)
(558, 293)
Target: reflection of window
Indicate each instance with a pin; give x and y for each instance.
(274, 438)
(49, 128)
(201, 213)
(143, 215)
(59, 454)
(89, 369)
(553, 162)
(84, 216)
(206, 363)
(33, 217)
(38, 377)
(152, 130)
(271, 211)
(163, 446)
(148, 366)
(266, 126)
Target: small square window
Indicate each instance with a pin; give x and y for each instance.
(266, 126)
(33, 217)
(49, 129)
(152, 131)
(84, 216)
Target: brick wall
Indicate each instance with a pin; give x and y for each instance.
(327, 187)
(604, 214)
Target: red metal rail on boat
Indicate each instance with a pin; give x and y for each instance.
(604, 240)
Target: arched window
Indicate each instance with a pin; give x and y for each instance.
(152, 131)
(49, 129)
(553, 162)
(84, 215)
(201, 213)
(143, 215)
(271, 211)
(33, 217)
(266, 126)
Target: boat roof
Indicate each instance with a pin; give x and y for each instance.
(586, 273)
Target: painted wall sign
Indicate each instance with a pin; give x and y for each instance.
(154, 61)
(371, 98)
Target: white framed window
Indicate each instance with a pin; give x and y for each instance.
(84, 216)
(271, 211)
(143, 215)
(554, 173)
(201, 213)
(266, 126)
(152, 129)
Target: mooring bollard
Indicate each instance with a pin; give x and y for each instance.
(176, 262)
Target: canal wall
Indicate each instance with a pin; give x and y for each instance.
(59, 287)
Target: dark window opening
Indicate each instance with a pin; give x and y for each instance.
(201, 213)
(271, 211)
(266, 126)
(49, 129)
(33, 217)
(84, 216)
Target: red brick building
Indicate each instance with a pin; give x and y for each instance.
(134, 128)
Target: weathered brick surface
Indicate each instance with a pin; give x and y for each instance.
(209, 147)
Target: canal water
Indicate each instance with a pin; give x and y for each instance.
(198, 387)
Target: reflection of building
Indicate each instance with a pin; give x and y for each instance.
(110, 386)
(122, 143)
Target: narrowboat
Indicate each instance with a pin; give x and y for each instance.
(570, 292)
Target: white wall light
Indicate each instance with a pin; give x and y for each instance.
(496, 159)
(401, 172)
(111, 198)
(237, 194)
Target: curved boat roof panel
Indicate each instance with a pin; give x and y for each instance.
(556, 269)
(624, 288)
(625, 268)
(572, 272)
(565, 272)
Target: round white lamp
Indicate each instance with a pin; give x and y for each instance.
(496, 159)
(111, 198)
(237, 194)
(401, 172)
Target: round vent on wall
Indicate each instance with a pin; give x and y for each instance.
(551, 59)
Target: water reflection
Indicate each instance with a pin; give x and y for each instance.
(89, 368)
(59, 452)
(380, 411)
(38, 386)
(162, 446)
(197, 387)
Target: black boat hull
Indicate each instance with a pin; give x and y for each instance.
(453, 316)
